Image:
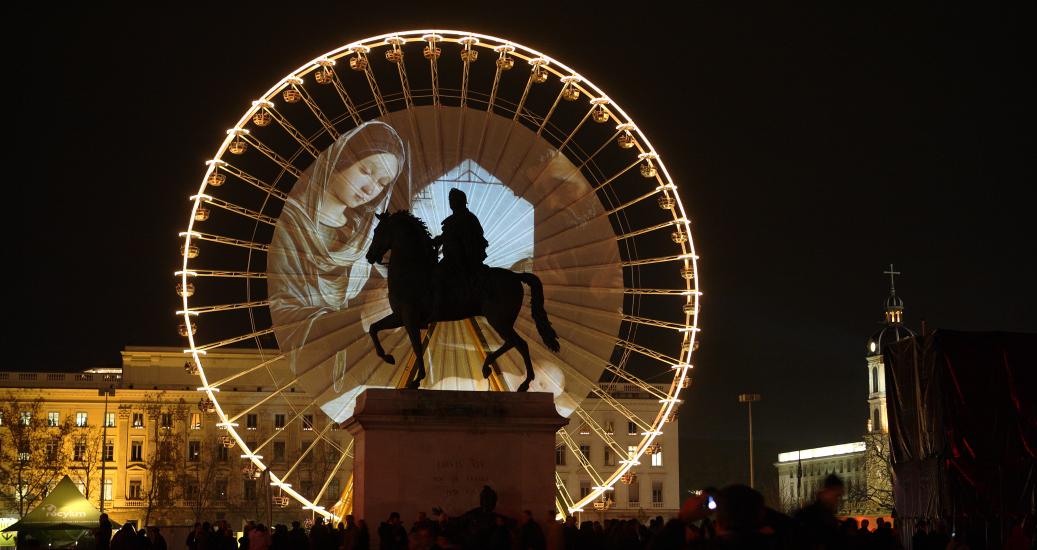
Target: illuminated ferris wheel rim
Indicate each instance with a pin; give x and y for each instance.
(537, 60)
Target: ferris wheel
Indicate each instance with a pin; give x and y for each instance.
(564, 182)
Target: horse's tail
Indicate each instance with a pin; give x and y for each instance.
(547, 332)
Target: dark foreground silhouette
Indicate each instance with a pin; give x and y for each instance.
(493, 293)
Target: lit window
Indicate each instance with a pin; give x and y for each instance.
(631, 451)
(138, 420)
(81, 420)
(196, 421)
(167, 421)
(657, 492)
(610, 459)
(634, 493)
(109, 420)
(52, 419)
(657, 457)
(26, 418)
(136, 491)
(108, 488)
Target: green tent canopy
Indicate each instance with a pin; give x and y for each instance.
(64, 508)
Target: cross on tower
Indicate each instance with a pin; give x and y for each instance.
(892, 274)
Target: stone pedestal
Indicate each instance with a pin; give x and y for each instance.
(420, 449)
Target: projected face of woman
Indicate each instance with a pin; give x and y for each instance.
(358, 184)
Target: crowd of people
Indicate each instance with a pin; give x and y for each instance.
(734, 517)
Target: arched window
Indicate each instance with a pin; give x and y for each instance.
(875, 421)
(874, 379)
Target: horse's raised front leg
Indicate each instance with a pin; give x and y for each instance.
(414, 332)
(389, 321)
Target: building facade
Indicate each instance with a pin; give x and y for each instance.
(865, 465)
(652, 488)
(143, 445)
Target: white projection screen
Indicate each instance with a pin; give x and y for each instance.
(538, 213)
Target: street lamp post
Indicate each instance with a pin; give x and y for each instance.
(104, 439)
(750, 398)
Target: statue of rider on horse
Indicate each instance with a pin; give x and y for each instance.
(423, 290)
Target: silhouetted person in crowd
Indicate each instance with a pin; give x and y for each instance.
(349, 533)
(554, 534)
(124, 539)
(883, 538)
(103, 534)
(739, 520)
(391, 534)
(817, 525)
(297, 537)
(141, 541)
(531, 537)
(464, 249)
(279, 538)
(158, 542)
(920, 539)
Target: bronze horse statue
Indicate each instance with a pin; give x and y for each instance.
(497, 295)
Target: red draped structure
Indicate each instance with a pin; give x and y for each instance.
(962, 412)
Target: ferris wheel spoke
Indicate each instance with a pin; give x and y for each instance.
(569, 137)
(562, 496)
(634, 201)
(306, 452)
(262, 401)
(223, 274)
(272, 155)
(432, 52)
(680, 327)
(635, 380)
(372, 82)
(225, 307)
(551, 111)
(297, 84)
(467, 56)
(288, 127)
(347, 101)
(660, 260)
(346, 453)
(661, 292)
(396, 57)
(241, 210)
(249, 370)
(234, 340)
(298, 414)
(584, 462)
(671, 362)
(230, 241)
(642, 231)
(254, 181)
(525, 95)
(599, 431)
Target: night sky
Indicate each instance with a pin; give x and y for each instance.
(812, 149)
